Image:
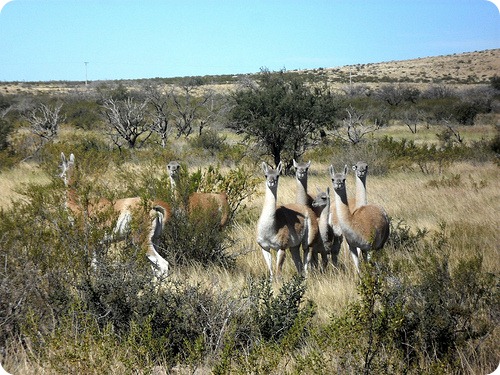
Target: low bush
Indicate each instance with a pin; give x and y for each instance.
(413, 313)
(209, 140)
(83, 113)
(406, 154)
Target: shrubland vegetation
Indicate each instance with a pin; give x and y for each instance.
(427, 303)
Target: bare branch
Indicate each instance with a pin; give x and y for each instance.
(128, 121)
(354, 127)
(44, 121)
(162, 113)
(188, 108)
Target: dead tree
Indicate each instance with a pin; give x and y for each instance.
(187, 108)
(129, 122)
(411, 118)
(44, 121)
(161, 113)
(354, 127)
(450, 135)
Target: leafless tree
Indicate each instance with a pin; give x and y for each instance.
(5, 126)
(411, 118)
(354, 127)
(162, 113)
(356, 90)
(440, 91)
(188, 107)
(450, 135)
(394, 95)
(44, 121)
(129, 121)
(215, 108)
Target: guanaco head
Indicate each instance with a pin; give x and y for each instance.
(67, 167)
(360, 169)
(301, 169)
(338, 179)
(272, 175)
(173, 169)
(322, 198)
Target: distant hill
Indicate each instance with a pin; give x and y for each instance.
(458, 69)
(465, 68)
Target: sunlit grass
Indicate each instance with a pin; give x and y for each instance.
(13, 180)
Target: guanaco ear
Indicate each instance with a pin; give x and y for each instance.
(72, 158)
(345, 169)
(295, 164)
(308, 164)
(280, 167)
(332, 171)
(328, 191)
(63, 158)
(264, 167)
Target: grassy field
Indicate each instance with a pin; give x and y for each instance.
(465, 196)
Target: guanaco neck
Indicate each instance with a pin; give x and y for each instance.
(72, 199)
(361, 199)
(173, 186)
(269, 208)
(325, 213)
(301, 195)
(268, 214)
(173, 183)
(342, 207)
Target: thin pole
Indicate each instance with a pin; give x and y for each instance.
(86, 82)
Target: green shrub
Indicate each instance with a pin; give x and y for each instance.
(5, 129)
(209, 140)
(414, 313)
(280, 325)
(495, 142)
(83, 114)
(406, 154)
(196, 238)
(275, 315)
(402, 238)
(495, 82)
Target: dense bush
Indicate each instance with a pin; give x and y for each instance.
(77, 284)
(495, 82)
(209, 140)
(66, 292)
(406, 154)
(83, 113)
(80, 293)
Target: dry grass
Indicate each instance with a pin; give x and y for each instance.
(471, 67)
(408, 196)
(12, 180)
(427, 134)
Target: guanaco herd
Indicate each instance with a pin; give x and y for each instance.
(318, 225)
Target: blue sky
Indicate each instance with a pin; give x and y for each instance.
(43, 40)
